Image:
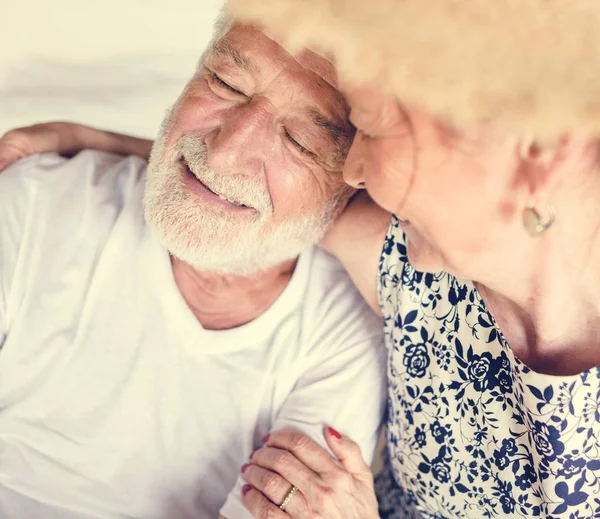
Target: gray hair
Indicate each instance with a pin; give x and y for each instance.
(222, 24)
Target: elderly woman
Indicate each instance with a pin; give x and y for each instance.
(477, 129)
(477, 126)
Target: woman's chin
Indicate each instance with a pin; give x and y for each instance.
(423, 257)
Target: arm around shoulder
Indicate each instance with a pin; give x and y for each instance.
(66, 138)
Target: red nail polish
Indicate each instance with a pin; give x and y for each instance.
(246, 489)
(334, 433)
(266, 438)
(244, 467)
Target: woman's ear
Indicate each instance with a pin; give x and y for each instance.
(535, 165)
(548, 167)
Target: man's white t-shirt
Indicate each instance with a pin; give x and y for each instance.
(114, 401)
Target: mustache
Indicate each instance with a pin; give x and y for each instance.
(237, 188)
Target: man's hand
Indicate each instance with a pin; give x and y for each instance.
(66, 139)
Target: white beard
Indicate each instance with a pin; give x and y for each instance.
(209, 239)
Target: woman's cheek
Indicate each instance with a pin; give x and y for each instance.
(389, 175)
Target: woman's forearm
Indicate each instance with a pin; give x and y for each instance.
(78, 137)
(67, 139)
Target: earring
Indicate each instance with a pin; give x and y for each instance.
(533, 222)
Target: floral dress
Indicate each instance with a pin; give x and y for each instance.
(472, 432)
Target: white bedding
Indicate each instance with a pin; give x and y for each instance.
(115, 64)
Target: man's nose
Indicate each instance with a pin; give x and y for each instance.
(354, 165)
(238, 145)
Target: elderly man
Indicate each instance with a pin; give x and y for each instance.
(142, 359)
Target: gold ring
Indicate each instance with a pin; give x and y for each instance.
(288, 498)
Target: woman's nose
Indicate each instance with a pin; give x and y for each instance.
(354, 165)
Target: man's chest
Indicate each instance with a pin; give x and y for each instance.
(114, 409)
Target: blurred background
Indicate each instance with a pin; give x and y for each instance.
(113, 64)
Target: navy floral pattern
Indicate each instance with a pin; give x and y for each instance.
(472, 432)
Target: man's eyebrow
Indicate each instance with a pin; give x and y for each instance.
(224, 49)
(340, 134)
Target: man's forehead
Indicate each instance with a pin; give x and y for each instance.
(319, 65)
(252, 41)
(317, 97)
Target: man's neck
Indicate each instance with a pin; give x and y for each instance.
(221, 301)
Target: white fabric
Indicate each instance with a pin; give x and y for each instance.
(114, 401)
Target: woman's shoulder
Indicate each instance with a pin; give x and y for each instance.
(397, 279)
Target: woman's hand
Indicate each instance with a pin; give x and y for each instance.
(326, 487)
(67, 139)
(22, 142)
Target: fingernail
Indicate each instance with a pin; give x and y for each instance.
(266, 438)
(246, 489)
(334, 433)
(244, 467)
(252, 454)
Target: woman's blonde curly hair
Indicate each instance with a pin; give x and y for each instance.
(525, 66)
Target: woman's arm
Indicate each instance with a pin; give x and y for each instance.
(356, 239)
(66, 138)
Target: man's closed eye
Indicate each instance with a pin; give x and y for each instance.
(297, 145)
(224, 85)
